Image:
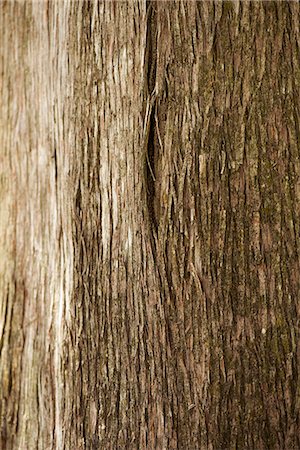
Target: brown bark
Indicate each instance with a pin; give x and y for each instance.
(149, 232)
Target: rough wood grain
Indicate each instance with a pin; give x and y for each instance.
(149, 228)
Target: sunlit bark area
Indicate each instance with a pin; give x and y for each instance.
(149, 225)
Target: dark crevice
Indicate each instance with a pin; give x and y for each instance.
(151, 173)
(151, 45)
(151, 138)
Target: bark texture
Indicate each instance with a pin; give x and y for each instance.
(149, 229)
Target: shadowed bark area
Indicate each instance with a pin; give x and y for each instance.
(149, 231)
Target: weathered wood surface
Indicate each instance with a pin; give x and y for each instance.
(149, 228)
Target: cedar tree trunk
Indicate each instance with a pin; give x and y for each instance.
(149, 227)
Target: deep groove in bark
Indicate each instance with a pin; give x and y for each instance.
(151, 44)
(150, 173)
(151, 138)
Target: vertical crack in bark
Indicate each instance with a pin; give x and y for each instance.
(151, 45)
(150, 172)
(150, 138)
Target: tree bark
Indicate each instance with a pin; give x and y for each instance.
(149, 232)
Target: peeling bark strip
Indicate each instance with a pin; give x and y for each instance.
(149, 227)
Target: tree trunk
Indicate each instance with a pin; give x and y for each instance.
(149, 232)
